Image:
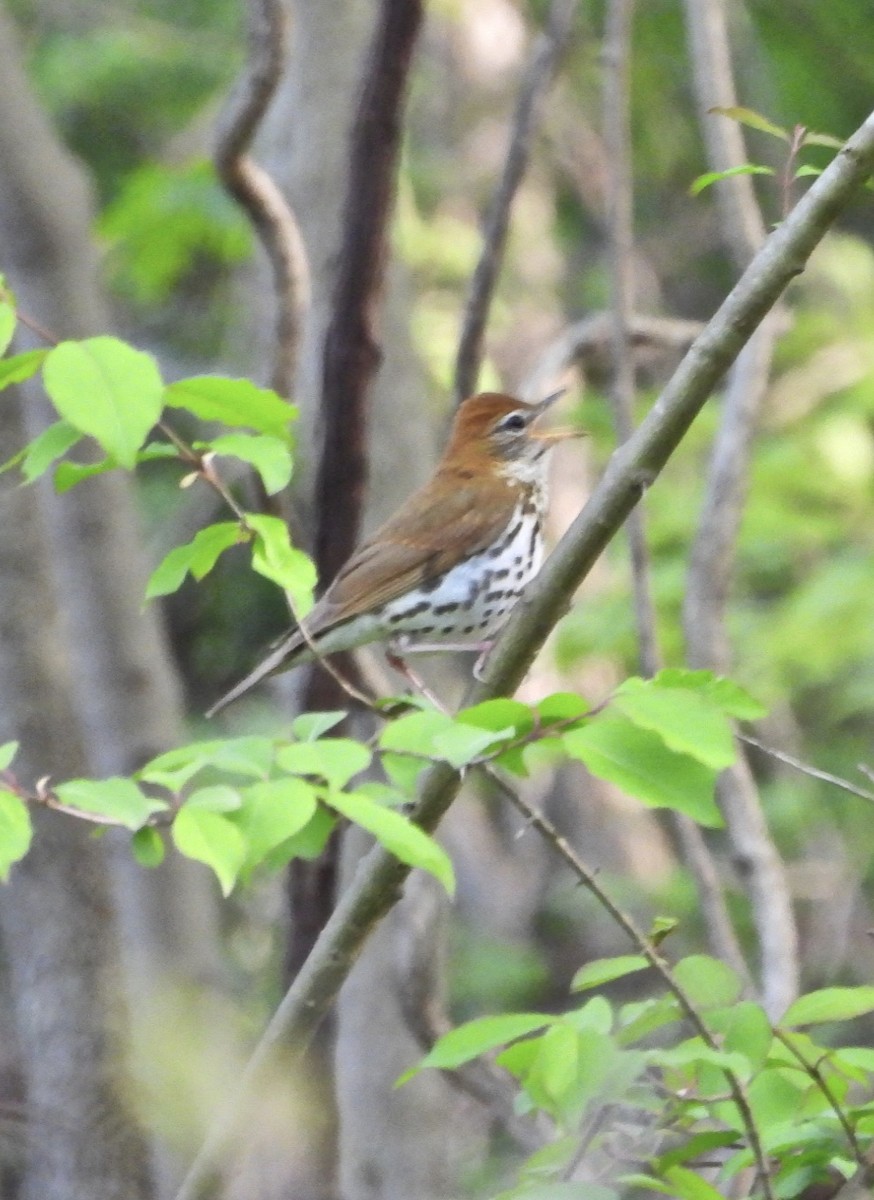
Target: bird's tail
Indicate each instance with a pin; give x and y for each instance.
(277, 660)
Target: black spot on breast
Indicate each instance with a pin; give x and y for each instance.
(440, 610)
(415, 610)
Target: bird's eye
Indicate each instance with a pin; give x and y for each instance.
(514, 423)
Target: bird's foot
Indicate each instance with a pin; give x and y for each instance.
(394, 653)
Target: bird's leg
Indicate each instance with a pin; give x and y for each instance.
(394, 653)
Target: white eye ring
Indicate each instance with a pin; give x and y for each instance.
(513, 423)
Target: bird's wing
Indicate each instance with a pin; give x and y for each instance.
(437, 528)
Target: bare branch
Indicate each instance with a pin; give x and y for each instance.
(352, 354)
(712, 561)
(548, 50)
(255, 191)
(379, 876)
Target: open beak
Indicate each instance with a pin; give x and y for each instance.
(555, 435)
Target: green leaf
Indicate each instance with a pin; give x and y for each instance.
(397, 834)
(694, 1052)
(499, 715)
(15, 831)
(248, 756)
(336, 760)
(7, 323)
(198, 557)
(748, 116)
(479, 1036)
(701, 182)
(309, 843)
(22, 366)
(218, 798)
(806, 170)
(210, 838)
(416, 732)
(830, 1004)
(708, 982)
(68, 474)
(147, 847)
(605, 970)
(106, 389)
(692, 1147)
(462, 744)
(561, 706)
(639, 762)
(272, 812)
(641, 1018)
(558, 1191)
(727, 695)
(8, 752)
(689, 1186)
(234, 402)
(274, 557)
(308, 727)
(745, 1029)
(38, 455)
(269, 456)
(117, 798)
(686, 721)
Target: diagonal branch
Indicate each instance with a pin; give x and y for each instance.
(255, 191)
(379, 877)
(541, 70)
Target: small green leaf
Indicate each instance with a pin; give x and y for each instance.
(640, 763)
(727, 695)
(308, 727)
(309, 843)
(605, 970)
(830, 1004)
(397, 834)
(15, 831)
(336, 760)
(687, 1185)
(745, 1029)
(500, 716)
(147, 847)
(46, 449)
(698, 185)
(274, 557)
(692, 1147)
(416, 732)
(198, 557)
(248, 756)
(118, 798)
(269, 456)
(479, 1036)
(462, 744)
(218, 797)
(686, 721)
(211, 838)
(272, 812)
(806, 170)
(68, 474)
(708, 982)
(694, 1052)
(8, 752)
(821, 139)
(106, 389)
(22, 366)
(561, 706)
(748, 116)
(7, 323)
(234, 402)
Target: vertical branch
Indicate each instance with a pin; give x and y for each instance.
(620, 219)
(255, 191)
(541, 70)
(352, 354)
(712, 561)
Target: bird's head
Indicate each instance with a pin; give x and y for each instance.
(500, 428)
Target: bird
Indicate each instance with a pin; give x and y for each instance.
(445, 572)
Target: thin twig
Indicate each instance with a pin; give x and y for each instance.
(379, 877)
(548, 50)
(806, 768)
(812, 1069)
(251, 186)
(646, 948)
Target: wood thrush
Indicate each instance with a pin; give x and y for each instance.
(446, 570)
